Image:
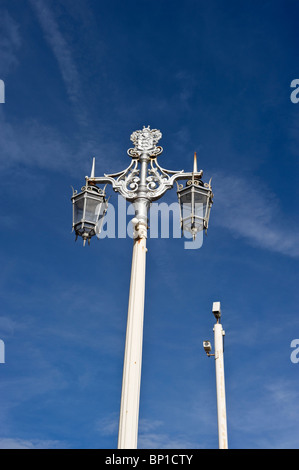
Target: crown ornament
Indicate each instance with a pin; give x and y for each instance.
(145, 141)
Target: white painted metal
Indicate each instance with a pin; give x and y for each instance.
(141, 183)
(93, 168)
(220, 386)
(216, 309)
(129, 411)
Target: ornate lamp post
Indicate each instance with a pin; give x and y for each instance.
(143, 182)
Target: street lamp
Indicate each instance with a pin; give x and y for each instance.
(141, 183)
(195, 201)
(220, 382)
(89, 208)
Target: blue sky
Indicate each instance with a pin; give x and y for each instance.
(214, 77)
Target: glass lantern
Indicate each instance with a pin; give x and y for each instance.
(195, 200)
(89, 208)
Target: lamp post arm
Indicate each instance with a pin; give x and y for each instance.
(124, 182)
(154, 184)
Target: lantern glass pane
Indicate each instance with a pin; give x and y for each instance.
(186, 204)
(78, 210)
(93, 207)
(186, 210)
(193, 209)
(200, 204)
(199, 211)
(187, 224)
(186, 197)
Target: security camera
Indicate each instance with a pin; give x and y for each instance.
(216, 310)
(207, 346)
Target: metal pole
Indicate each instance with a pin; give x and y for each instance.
(220, 386)
(129, 411)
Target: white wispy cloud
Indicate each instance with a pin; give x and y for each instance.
(254, 215)
(63, 54)
(164, 441)
(151, 434)
(108, 425)
(34, 143)
(10, 42)
(16, 144)
(59, 46)
(16, 443)
(269, 419)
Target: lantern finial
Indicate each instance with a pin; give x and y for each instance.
(93, 168)
(195, 163)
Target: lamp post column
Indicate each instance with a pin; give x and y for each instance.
(220, 386)
(129, 409)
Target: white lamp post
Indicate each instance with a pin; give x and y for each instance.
(220, 381)
(143, 182)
